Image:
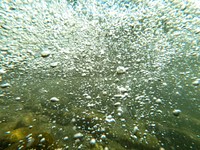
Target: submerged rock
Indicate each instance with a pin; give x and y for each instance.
(26, 138)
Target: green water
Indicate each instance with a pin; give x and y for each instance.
(157, 45)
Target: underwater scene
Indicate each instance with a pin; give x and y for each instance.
(99, 75)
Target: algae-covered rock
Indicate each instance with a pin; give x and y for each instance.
(178, 139)
(26, 138)
(89, 121)
(133, 136)
(126, 133)
(25, 121)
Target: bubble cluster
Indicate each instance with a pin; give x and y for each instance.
(119, 60)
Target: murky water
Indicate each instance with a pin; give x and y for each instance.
(100, 75)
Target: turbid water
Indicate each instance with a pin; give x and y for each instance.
(100, 75)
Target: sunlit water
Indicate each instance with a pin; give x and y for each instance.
(121, 74)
